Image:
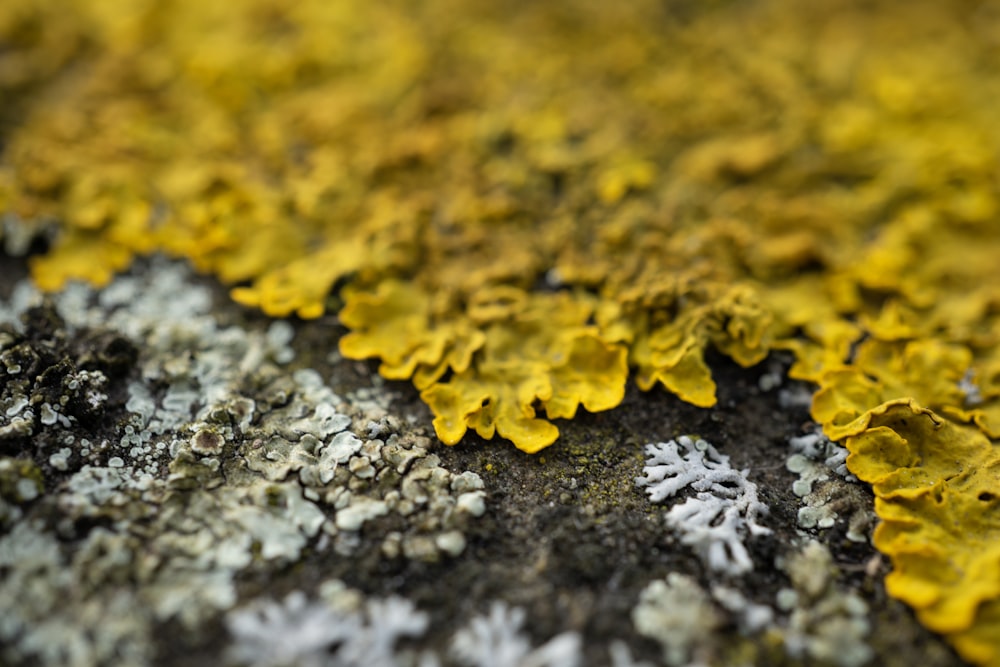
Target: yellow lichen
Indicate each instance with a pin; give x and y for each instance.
(937, 488)
(431, 346)
(533, 351)
(671, 350)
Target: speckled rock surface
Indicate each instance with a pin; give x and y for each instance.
(184, 482)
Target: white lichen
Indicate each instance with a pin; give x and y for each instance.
(795, 397)
(298, 632)
(497, 640)
(725, 510)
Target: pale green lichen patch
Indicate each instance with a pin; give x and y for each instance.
(144, 492)
(830, 494)
(48, 616)
(678, 614)
(826, 623)
(816, 620)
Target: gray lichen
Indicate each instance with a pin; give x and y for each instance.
(816, 620)
(826, 623)
(826, 487)
(678, 614)
(213, 461)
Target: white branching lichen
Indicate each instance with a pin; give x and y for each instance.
(343, 629)
(297, 632)
(497, 640)
(717, 520)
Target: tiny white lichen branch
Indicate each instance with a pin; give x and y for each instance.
(726, 505)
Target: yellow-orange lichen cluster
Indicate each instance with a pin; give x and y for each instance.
(526, 200)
